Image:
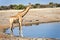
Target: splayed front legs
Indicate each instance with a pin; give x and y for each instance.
(20, 28)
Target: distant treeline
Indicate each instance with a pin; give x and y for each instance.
(37, 5)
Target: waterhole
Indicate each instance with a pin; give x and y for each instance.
(45, 30)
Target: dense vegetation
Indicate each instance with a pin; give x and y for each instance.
(37, 5)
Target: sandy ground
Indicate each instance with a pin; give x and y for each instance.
(8, 37)
(42, 15)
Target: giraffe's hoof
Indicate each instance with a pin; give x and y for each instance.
(21, 35)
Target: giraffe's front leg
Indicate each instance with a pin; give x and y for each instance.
(20, 28)
(11, 26)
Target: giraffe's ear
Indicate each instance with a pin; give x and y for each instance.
(29, 3)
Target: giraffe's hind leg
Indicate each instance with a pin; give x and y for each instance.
(11, 26)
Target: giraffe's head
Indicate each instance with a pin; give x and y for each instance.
(30, 5)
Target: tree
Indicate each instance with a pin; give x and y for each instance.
(36, 5)
(13, 6)
(58, 5)
(20, 6)
(4, 7)
(51, 4)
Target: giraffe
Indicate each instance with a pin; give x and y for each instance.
(18, 17)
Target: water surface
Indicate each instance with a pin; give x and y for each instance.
(45, 30)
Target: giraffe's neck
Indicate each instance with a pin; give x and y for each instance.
(25, 11)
